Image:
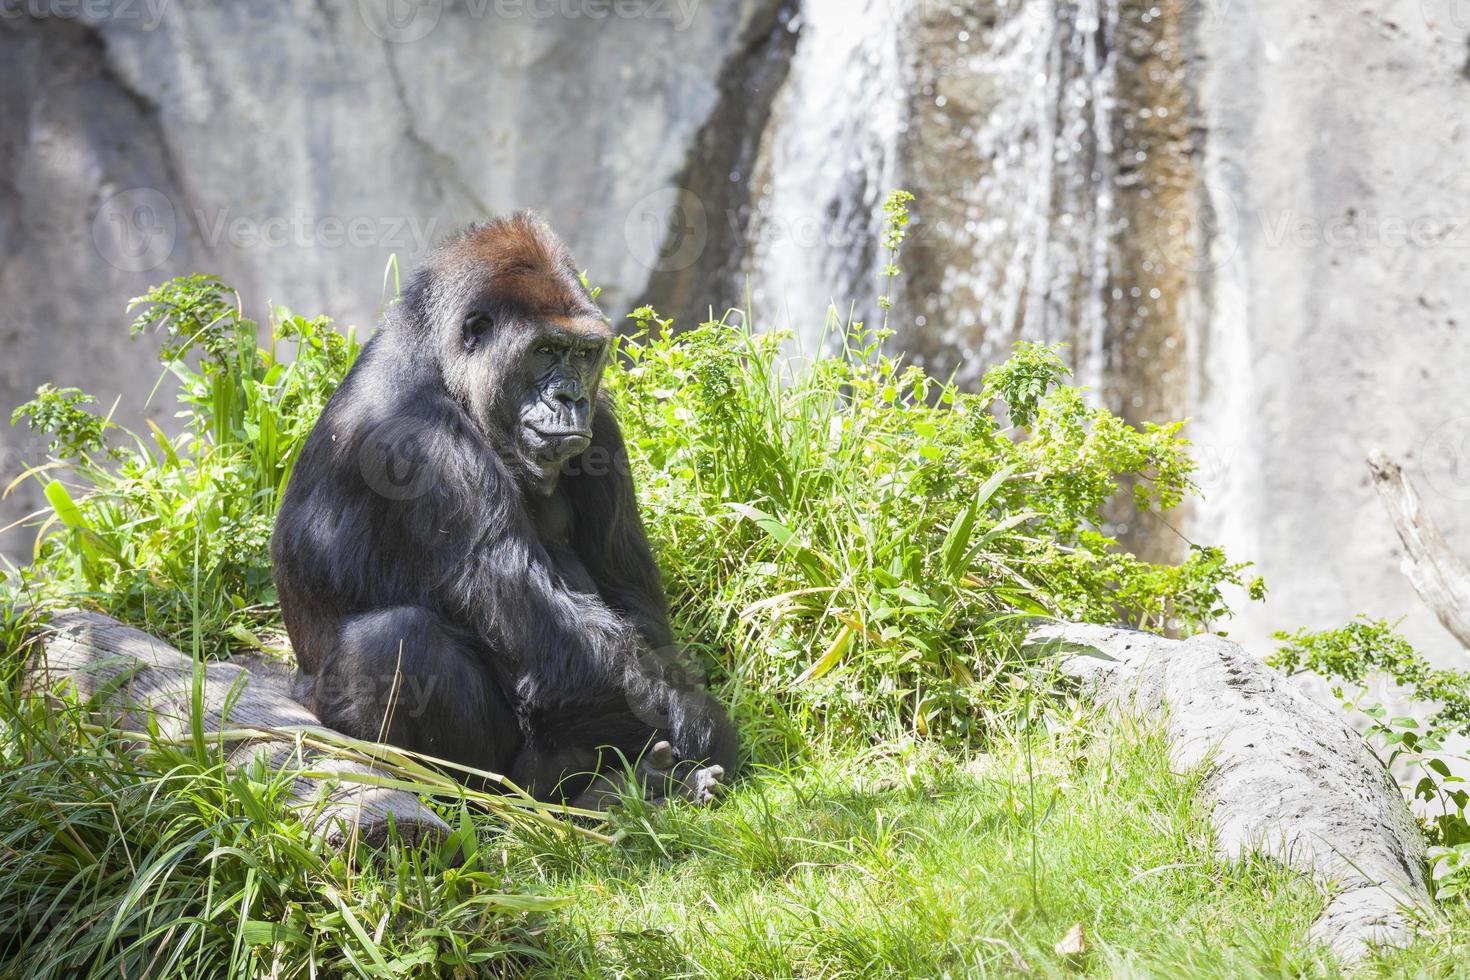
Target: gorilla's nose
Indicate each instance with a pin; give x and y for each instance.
(575, 410)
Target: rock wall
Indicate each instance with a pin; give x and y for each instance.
(1336, 245)
(1255, 216)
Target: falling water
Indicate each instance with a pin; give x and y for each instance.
(1041, 238)
(828, 160)
(1029, 256)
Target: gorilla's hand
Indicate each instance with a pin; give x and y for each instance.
(666, 779)
(660, 777)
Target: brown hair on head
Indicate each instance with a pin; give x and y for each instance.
(525, 264)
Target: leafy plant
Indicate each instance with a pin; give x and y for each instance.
(895, 230)
(142, 522)
(1453, 864)
(860, 537)
(1365, 648)
(60, 412)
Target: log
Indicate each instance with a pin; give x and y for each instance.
(1436, 572)
(1285, 775)
(135, 676)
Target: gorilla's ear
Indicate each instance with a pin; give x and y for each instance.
(476, 326)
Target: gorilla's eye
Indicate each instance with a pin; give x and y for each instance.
(544, 349)
(584, 353)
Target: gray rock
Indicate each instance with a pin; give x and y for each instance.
(136, 680)
(1286, 777)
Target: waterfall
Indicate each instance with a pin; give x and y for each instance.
(1030, 193)
(1040, 239)
(827, 161)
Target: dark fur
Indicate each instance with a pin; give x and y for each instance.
(488, 614)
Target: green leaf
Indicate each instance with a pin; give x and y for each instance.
(808, 560)
(66, 508)
(831, 657)
(956, 545)
(260, 933)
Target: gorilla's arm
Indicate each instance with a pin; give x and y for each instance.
(608, 534)
(567, 647)
(610, 540)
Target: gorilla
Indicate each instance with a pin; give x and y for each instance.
(459, 558)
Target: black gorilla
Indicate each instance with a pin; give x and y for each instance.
(459, 557)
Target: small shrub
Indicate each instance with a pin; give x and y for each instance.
(171, 532)
(1366, 648)
(860, 538)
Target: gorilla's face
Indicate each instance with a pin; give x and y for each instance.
(564, 366)
(518, 341)
(547, 373)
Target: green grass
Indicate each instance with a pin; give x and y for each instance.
(899, 859)
(902, 862)
(849, 545)
(125, 855)
(1442, 949)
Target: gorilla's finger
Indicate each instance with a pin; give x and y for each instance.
(706, 785)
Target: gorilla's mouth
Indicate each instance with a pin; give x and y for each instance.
(566, 442)
(553, 432)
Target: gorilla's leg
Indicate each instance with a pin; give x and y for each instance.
(405, 677)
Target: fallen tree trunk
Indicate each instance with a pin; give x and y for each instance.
(1286, 777)
(136, 677)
